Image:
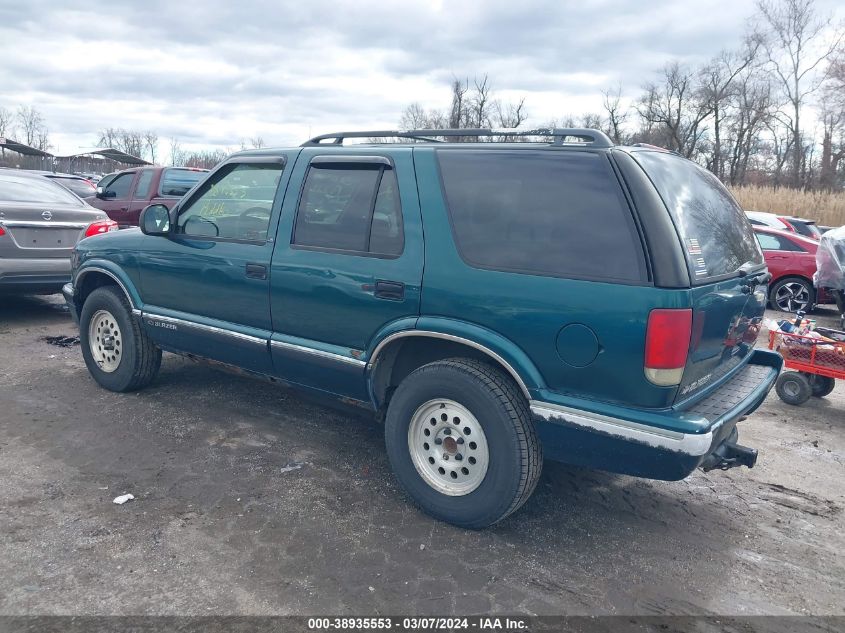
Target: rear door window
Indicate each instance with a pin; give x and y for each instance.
(716, 234)
(350, 207)
(548, 213)
(777, 243)
(142, 189)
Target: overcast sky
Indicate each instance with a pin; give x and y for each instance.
(213, 72)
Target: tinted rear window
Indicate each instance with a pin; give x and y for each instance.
(80, 187)
(717, 235)
(808, 229)
(35, 189)
(545, 213)
(177, 182)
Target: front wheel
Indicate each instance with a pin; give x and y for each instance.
(118, 353)
(460, 439)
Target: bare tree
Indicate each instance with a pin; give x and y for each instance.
(510, 115)
(150, 140)
(718, 85)
(675, 110)
(177, 154)
(750, 110)
(616, 115)
(478, 110)
(794, 39)
(131, 142)
(257, 142)
(6, 120)
(30, 124)
(206, 159)
(5, 127)
(457, 112)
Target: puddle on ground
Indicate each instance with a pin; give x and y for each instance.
(62, 341)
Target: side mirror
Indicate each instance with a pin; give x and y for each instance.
(105, 194)
(155, 220)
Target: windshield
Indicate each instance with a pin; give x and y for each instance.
(716, 234)
(35, 189)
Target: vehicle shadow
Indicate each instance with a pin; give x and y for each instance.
(32, 309)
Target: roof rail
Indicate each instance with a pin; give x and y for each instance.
(593, 138)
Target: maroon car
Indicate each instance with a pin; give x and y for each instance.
(791, 259)
(128, 192)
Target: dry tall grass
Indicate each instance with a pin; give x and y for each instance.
(828, 209)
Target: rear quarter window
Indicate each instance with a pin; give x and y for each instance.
(176, 182)
(716, 234)
(550, 213)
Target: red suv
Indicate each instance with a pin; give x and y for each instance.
(791, 259)
(129, 191)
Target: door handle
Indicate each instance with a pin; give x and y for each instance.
(256, 271)
(394, 290)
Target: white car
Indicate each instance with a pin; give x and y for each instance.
(802, 226)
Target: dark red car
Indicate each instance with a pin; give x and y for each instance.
(791, 259)
(128, 192)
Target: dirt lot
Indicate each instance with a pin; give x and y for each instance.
(250, 500)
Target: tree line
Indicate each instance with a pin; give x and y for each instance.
(743, 114)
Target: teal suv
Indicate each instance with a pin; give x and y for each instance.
(545, 294)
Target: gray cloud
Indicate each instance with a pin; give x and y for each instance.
(215, 72)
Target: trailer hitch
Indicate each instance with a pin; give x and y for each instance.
(730, 455)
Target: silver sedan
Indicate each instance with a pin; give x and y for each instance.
(40, 223)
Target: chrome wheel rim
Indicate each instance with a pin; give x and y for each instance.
(792, 297)
(448, 447)
(105, 341)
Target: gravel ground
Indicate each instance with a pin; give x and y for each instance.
(251, 500)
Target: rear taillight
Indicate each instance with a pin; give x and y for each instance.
(667, 343)
(103, 226)
(2, 231)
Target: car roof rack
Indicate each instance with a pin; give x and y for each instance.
(587, 136)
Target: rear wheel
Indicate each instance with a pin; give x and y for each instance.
(118, 353)
(821, 386)
(793, 388)
(792, 294)
(460, 439)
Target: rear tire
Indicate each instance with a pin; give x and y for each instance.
(821, 386)
(461, 442)
(793, 388)
(117, 351)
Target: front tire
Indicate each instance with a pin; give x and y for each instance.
(793, 388)
(118, 353)
(461, 442)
